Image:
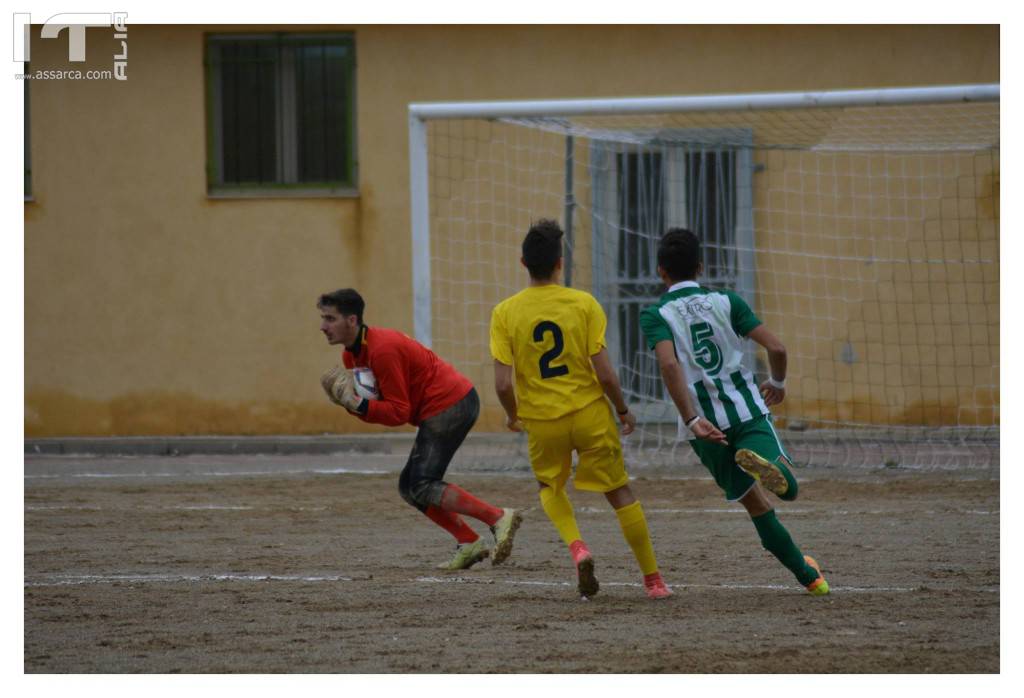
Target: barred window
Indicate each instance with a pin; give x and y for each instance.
(281, 111)
(641, 190)
(641, 193)
(710, 181)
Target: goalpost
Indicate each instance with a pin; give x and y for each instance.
(861, 225)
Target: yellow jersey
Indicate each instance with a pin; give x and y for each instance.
(548, 334)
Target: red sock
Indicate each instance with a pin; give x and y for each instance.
(456, 499)
(452, 523)
(579, 551)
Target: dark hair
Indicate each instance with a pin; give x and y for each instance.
(679, 254)
(542, 248)
(347, 301)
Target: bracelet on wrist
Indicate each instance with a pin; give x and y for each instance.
(781, 385)
(624, 412)
(693, 420)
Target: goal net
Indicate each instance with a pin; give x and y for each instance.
(861, 227)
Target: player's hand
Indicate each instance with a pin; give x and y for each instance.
(628, 422)
(771, 394)
(514, 424)
(703, 429)
(345, 390)
(340, 388)
(327, 380)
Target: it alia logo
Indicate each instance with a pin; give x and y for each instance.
(75, 23)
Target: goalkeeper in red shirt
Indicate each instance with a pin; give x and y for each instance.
(418, 388)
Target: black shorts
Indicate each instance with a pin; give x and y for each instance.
(437, 440)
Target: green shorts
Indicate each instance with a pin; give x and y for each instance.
(758, 435)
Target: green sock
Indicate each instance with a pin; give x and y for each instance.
(776, 540)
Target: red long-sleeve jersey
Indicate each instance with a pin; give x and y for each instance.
(414, 383)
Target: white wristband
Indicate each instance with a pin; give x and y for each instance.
(689, 424)
(781, 385)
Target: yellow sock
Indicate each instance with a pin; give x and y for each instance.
(634, 530)
(559, 509)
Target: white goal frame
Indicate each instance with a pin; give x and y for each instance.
(422, 112)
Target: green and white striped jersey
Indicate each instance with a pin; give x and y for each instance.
(707, 329)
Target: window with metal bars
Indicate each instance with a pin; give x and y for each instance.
(710, 181)
(281, 111)
(641, 205)
(659, 188)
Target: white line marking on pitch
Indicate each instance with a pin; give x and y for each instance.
(77, 580)
(580, 510)
(177, 507)
(818, 512)
(74, 580)
(768, 587)
(213, 473)
(516, 474)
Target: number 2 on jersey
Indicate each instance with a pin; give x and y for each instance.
(705, 352)
(546, 369)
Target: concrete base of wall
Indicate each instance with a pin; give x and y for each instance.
(220, 445)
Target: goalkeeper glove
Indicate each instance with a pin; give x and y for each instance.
(337, 383)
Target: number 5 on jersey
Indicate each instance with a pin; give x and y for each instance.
(546, 369)
(705, 352)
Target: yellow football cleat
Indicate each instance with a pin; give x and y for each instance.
(775, 477)
(466, 555)
(504, 531)
(819, 587)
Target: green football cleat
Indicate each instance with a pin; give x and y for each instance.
(819, 587)
(775, 477)
(504, 532)
(466, 555)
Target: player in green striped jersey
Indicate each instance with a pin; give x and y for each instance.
(698, 336)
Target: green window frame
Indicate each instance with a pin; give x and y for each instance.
(281, 114)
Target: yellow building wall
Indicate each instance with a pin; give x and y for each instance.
(894, 260)
(151, 308)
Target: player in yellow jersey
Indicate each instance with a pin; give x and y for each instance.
(552, 373)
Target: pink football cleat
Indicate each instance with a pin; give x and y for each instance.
(656, 587)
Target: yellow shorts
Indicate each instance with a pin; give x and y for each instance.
(593, 433)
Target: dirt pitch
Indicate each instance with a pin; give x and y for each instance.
(287, 564)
